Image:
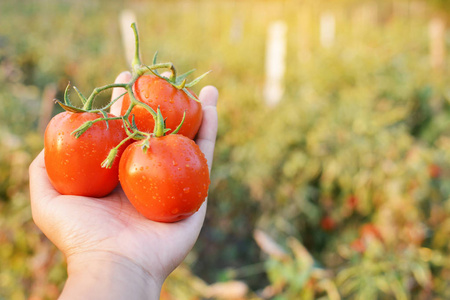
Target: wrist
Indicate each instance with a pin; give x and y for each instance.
(108, 275)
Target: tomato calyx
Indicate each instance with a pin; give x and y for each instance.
(134, 133)
(178, 82)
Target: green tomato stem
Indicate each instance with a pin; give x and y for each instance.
(108, 162)
(135, 102)
(86, 125)
(136, 60)
(90, 100)
(158, 131)
(110, 103)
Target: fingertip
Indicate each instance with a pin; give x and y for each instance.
(123, 77)
(209, 95)
(40, 186)
(38, 162)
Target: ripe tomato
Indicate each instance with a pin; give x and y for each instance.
(369, 231)
(434, 171)
(327, 223)
(74, 164)
(169, 181)
(358, 245)
(173, 102)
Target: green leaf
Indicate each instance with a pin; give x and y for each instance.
(83, 99)
(185, 75)
(145, 145)
(421, 274)
(69, 108)
(155, 57)
(82, 129)
(179, 86)
(179, 126)
(105, 115)
(196, 80)
(66, 95)
(190, 95)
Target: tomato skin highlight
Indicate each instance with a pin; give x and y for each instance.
(74, 164)
(172, 102)
(168, 182)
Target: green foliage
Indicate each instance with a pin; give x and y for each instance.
(348, 174)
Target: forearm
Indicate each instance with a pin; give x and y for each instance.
(97, 276)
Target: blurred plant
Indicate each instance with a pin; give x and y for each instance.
(294, 275)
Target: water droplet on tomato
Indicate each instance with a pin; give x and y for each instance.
(186, 190)
(174, 163)
(188, 158)
(175, 211)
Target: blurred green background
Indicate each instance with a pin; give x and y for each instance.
(341, 191)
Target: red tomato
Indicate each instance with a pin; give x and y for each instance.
(169, 181)
(434, 170)
(358, 245)
(327, 223)
(352, 201)
(173, 102)
(370, 231)
(74, 164)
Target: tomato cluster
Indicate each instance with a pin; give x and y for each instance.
(163, 172)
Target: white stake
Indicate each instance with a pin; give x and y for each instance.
(437, 42)
(275, 63)
(327, 29)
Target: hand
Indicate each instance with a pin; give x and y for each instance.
(111, 250)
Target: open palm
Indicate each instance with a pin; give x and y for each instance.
(84, 227)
